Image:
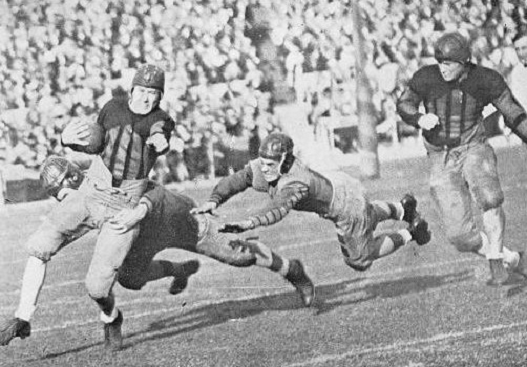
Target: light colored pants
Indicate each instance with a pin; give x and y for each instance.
(89, 208)
(459, 177)
(355, 219)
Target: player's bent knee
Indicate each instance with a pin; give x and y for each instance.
(492, 202)
(358, 264)
(43, 245)
(466, 242)
(97, 288)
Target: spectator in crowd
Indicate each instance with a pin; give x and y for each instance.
(518, 76)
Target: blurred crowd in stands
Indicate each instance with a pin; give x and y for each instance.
(62, 60)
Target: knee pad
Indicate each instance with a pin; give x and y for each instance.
(491, 201)
(466, 242)
(97, 289)
(44, 243)
(359, 264)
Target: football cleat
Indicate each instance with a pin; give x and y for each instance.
(113, 338)
(521, 268)
(304, 286)
(14, 328)
(498, 273)
(182, 273)
(409, 203)
(419, 231)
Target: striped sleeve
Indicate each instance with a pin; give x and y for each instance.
(288, 197)
(232, 185)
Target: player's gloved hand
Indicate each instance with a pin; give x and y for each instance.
(14, 328)
(428, 121)
(127, 218)
(76, 133)
(206, 207)
(158, 141)
(236, 227)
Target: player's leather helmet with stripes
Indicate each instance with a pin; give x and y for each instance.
(278, 146)
(452, 47)
(150, 76)
(57, 173)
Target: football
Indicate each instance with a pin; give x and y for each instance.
(95, 139)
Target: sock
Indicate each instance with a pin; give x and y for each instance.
(279, 264)
(32, 281)
(485, 249)
(405, 234)
(284, 268)
(511, 259)
(24, 312)
(109, 319)
(389, 243)
(399, 210)
(264, 256)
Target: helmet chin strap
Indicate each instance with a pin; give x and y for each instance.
(282, 160)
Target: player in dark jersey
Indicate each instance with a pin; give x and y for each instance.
(166, 223)
(463, 164)
(135, 131)
(333, 196)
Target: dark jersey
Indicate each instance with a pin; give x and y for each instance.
(125, 152)
(169, 220)
(459, 104)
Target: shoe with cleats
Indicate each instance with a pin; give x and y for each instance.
(409, 203)
(14, 328)
(498, 273)
(182, 273)
(521, 268)
(113, 337)
(419, 230)
(304, 286)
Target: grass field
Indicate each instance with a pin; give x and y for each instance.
(423, 306)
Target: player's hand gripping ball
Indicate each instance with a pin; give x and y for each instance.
(95, 139)
(89, 137)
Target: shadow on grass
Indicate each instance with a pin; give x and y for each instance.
(328, 298)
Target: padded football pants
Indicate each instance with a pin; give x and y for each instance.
(458, 178)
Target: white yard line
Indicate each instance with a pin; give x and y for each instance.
(403, 346)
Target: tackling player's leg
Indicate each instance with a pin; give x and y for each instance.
(292, 270)
(230, 249)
